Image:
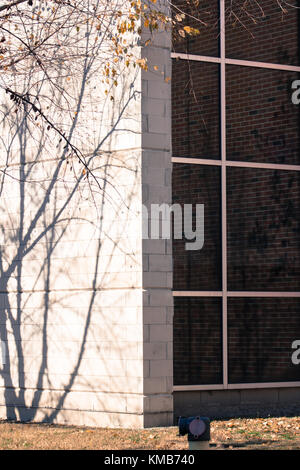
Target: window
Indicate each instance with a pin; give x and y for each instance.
(198, 341)
(199, 269)
(236, 149)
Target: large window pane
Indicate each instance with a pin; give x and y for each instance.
(195, 109)
(262, 121)
(260, 336)
(198, 269)
(263, 220)
(260, 31)
(202, 15)
(197, 341)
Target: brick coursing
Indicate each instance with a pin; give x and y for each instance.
(263, 206)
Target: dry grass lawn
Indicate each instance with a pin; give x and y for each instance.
(270, 433)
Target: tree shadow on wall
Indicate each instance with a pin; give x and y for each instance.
(59, 242)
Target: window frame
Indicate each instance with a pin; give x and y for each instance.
(224, 163)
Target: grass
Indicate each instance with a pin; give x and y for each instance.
(258, 433)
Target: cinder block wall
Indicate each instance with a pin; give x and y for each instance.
(86, 305)
(157, 254)
(238, 403)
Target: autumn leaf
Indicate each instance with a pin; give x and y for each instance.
(191, 31)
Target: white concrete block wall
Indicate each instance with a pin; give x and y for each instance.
(157, 264)
(85, 303)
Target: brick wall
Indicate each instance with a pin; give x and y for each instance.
(263, 230)
(260, 337)
(262, 122)
(204, 16)
(198, 341)
(263, 209)
(198, 269)
(236, 403)
(273, 36)
(195, 110)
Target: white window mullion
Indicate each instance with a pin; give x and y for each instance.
(223, 192)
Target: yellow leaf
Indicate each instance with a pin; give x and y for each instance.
(191, 31)
(142, 63)
(187, 29)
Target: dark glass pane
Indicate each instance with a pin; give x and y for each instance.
(260, 336)
(202, 15)
(260, 31)
(263, 220)
(262, 121)
(197, 341)
(195, 109)
(198, 269)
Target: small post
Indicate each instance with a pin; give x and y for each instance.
(198, 430)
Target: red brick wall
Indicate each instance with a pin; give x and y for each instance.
(260, 337)
(198, 269)
(203, 15)
(263, 222)
(198, 345)
(264, 35)
(195, 109)
(262, 122)
(263, 205)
